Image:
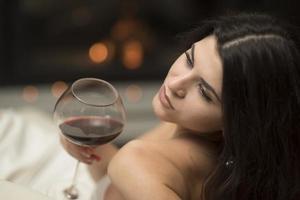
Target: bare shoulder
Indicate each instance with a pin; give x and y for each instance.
(138, 171)
(176, 164)
(189, 153)
(194, 158)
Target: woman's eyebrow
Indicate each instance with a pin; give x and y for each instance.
(210, 88)
(190, 56)
(193, 52)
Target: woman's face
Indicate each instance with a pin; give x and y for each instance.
(190, 95)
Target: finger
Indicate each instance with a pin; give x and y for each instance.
(89, 150)
(78, 152)
(83, 154)
(88, 162)
(89, 155)
(87, 159)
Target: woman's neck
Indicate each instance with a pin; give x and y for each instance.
(215, 136)
(212, 142)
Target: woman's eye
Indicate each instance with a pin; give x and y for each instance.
(203, 92)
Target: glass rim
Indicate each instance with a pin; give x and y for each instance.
(98, 80)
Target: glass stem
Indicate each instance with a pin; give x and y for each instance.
(75, 174)
(71, 192)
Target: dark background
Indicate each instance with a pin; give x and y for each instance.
(43, 41)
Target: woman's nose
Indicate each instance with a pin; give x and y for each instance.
(179, 86)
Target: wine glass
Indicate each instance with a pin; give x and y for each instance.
(89, 113)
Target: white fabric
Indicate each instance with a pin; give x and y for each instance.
(101, 188)
(12, 191)
(30, 154)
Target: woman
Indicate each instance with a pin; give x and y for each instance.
(231, 111)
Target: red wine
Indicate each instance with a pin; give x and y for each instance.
(91, 130)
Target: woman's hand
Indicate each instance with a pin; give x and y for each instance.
(86, 155)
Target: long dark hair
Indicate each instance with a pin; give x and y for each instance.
(260, 155)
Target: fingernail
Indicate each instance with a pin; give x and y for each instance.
(96, 157)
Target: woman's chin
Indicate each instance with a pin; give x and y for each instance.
(159, 111)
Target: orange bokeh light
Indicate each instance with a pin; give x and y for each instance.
(58, 88)
(30, 93)
(134, 93)
(132, 54)
(98, 52)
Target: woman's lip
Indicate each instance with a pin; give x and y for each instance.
(164, 99)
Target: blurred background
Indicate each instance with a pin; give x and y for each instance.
(47, 44)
